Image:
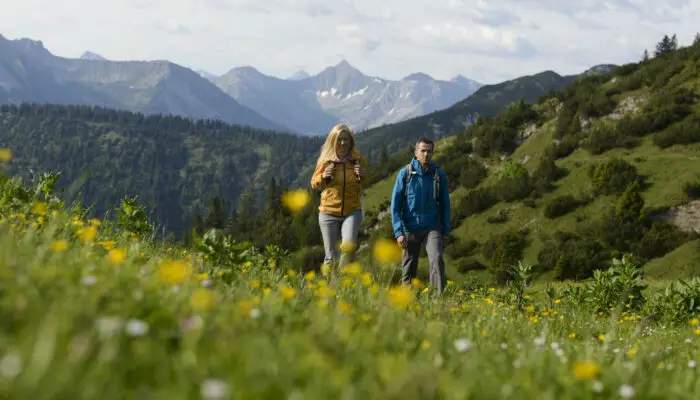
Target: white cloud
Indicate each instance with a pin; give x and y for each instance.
(485, 40)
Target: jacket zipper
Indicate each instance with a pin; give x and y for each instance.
(342, 198)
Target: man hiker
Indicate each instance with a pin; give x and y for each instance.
(420, 214)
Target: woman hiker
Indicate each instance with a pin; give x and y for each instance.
(340, 172)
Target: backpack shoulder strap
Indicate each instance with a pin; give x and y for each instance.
(436, 184)
(407, 178)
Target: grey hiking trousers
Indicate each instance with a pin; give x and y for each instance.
(434, 244)
(334, 229)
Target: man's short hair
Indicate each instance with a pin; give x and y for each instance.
(426, 141)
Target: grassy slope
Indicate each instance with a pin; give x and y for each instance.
(666, 171)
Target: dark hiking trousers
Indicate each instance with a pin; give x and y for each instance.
(433, 241)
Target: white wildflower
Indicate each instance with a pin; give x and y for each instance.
(504, 346)
(597, 386)
(136, 327)
(108, 326)
(626, 391)
(438, 360)
(89, 280)
(214, 389)
(462, 345)
(255, 313)
(691, 364)
(10, 366)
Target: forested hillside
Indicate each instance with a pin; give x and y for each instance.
(175, 165)
(486, 101)
(609, 164)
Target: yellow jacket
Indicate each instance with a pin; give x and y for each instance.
(341, 194)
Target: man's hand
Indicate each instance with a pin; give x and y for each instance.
(401, 240)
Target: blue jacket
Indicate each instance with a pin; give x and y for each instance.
(418, 210)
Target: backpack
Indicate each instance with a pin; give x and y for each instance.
(436, 182)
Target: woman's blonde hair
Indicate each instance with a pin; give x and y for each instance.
(328, 148)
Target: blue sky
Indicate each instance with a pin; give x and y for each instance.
(486, 41)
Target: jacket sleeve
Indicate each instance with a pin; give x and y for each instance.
(397, 203)
(317, 178)
(445, 204)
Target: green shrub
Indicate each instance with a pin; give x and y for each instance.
(458, 248)
(603, 138)
(562, 205)
(692, 189)
(469, 264)
(472, 173)
(660, 239)
(613, 176)
(684, 132)
(565, 147)
(571, 255)
(597, 106)
(499, 218)
(503, 251)
(514, 182)
(475, 201)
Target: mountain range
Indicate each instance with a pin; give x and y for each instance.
(303, 104)
(31, 73)
(341, 94)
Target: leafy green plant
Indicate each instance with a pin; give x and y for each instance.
(521, 274)
(222, 251)
(620, 286)
(132, 216)
(679, 302)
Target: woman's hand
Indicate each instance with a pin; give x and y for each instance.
(359, 171)
(328, 172)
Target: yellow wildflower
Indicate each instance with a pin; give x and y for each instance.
(693, 322)
(387, 251)
(366, 279)
(245, 307)
(173, 271)
(585, 370)
(343, 306)
(202, 299)
(59, 245)
(401, 296)
(5, 154)
(255, 284)
(310, 276)
(295, 200)
(347, 247)
(116, 256)
(87, 234)
(353, 269)
(632, 352)
(287, 292)
(40, 208)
